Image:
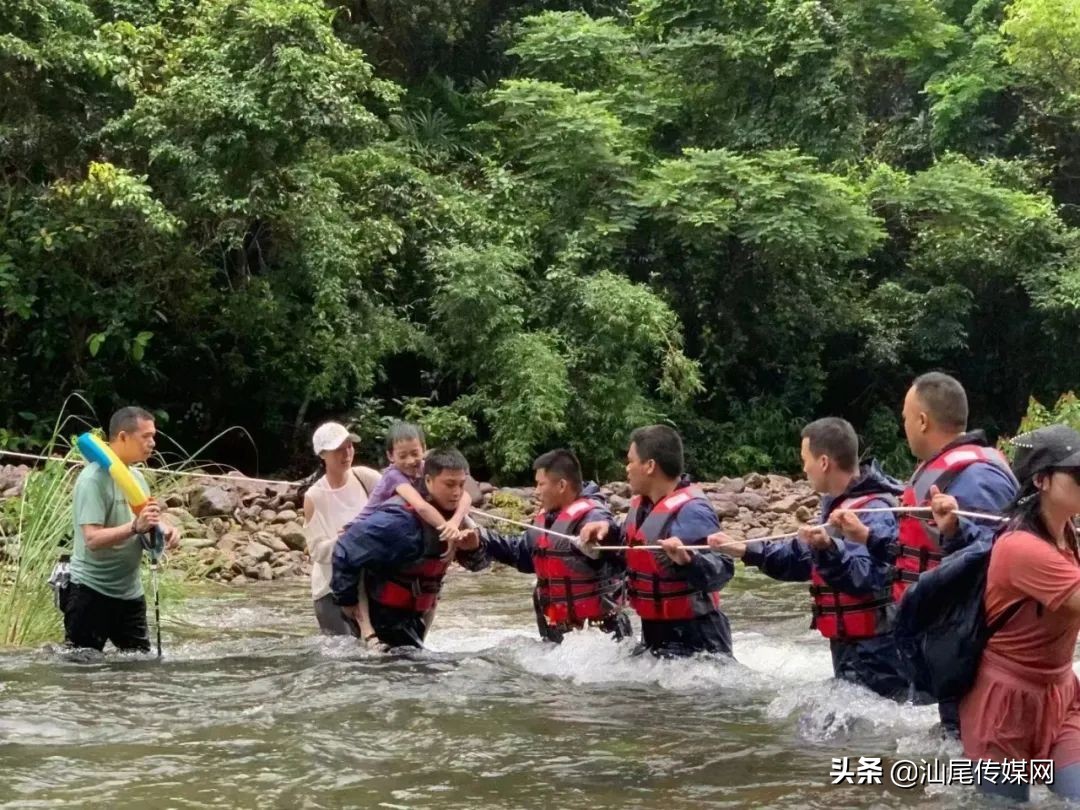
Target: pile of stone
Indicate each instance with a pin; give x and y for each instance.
(238, 531)
(233, 529)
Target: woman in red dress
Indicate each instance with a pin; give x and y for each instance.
(1025, 703)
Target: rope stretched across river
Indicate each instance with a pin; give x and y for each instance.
(895, 509)
(243, 479)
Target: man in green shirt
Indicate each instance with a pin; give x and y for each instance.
(105, 600)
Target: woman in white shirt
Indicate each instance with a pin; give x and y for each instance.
(331, 502)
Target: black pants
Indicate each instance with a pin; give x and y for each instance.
(91, 619)
(408, 632)
(871, 662)
(396, 627)
(949, 712)
(677, 639)
(332, 622)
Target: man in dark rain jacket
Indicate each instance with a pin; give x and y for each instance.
(400, 559)
(957, 470)
(573, 589)
(675, 590)
(851, 590)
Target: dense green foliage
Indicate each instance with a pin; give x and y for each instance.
(537, 222)
(1066, 411)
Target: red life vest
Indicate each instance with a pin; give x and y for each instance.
(416, 586)
(919, 547)
(657, 590)
(568, 588)
(840, 615)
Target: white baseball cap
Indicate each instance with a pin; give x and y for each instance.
(330, 436)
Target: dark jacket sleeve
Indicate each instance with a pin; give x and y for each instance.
(610, 563)
(848, 567)
(789, 561)
(513, 550)
(856, 569)
(475, 560)
(387, 538)
(979, 488)
(707, 570)
(884, 535)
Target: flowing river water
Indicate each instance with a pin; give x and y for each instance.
(250, 708)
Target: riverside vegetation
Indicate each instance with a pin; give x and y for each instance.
(536, 223)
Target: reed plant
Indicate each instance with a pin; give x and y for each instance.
(34, 530)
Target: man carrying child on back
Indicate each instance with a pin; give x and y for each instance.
(402, 484)
(389, 567)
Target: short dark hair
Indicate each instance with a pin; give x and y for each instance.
(403, 432)
(445, 458)
(944, 399)
(127, 420)
(561, 464)
(661, 444)
(836, 438)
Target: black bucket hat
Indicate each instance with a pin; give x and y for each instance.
(1055, 447)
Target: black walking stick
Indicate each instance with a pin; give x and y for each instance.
(154, 542)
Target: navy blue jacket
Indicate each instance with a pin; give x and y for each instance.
(848, 566)
(390, 538)
(707, 570)
(851, 568)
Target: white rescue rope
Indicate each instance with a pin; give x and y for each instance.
(790, 535)
(908, 509)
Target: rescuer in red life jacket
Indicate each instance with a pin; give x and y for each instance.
(675, 591)
(957, 470)
(401, 558)
(572, 588)
(851, 591)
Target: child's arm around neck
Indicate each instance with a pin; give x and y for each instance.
(428, 513)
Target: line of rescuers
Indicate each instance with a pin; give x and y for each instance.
(387, 570)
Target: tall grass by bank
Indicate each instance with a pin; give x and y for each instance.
(32, 531)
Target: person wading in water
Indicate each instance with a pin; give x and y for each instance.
(402, 560)
(675, 591)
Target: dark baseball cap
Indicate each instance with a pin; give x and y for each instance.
(1055, 447)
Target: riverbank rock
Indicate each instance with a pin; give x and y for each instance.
(789, 503)
(12, 479)
(257, 551)
(732, 485)
(292, 536)
(215, 500)
(273, 542)
(724, 506)
(752, 501)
